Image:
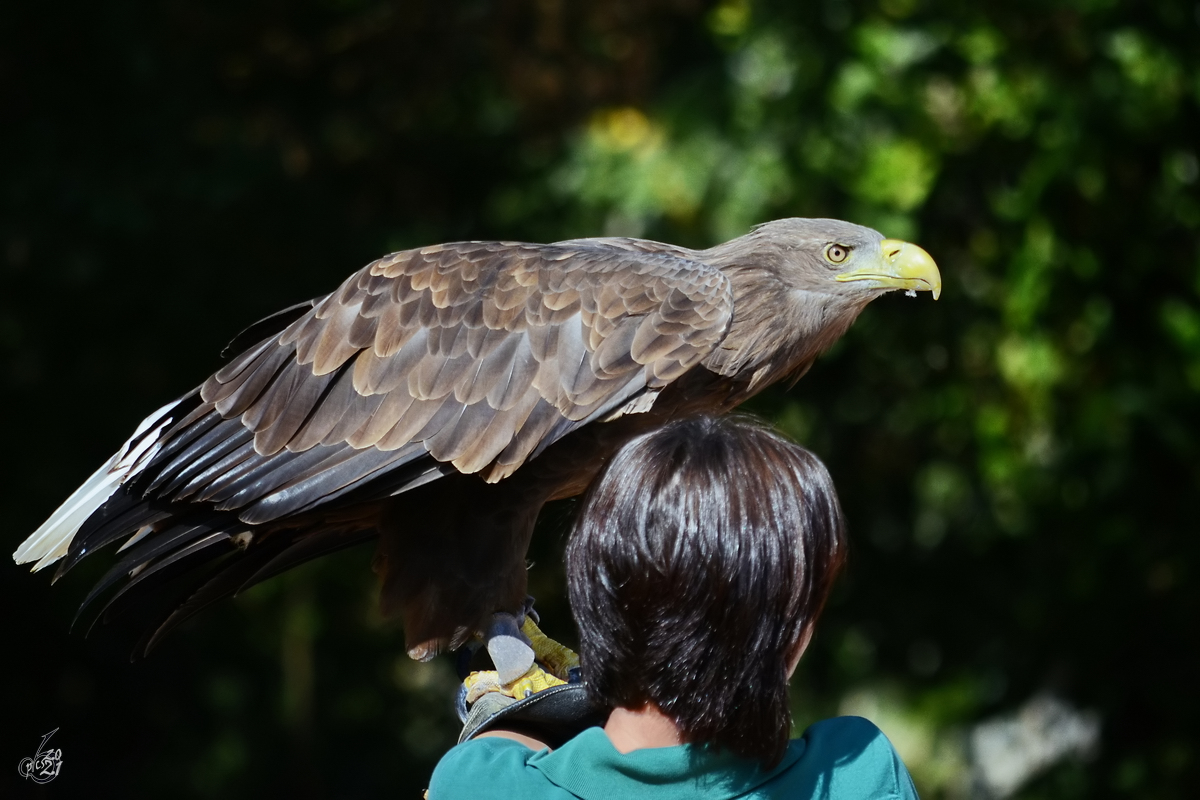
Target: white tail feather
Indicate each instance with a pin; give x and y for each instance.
(50, 542)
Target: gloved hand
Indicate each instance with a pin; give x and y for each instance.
(539, 704)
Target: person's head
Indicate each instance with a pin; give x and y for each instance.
(700, 560)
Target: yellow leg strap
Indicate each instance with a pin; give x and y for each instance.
(535, 680)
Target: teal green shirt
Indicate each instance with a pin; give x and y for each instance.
(846, 757)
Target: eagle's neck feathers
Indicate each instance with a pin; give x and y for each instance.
(778, 329)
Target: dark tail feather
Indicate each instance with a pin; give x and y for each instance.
(306, 549)
(156, 574)
(155, 545)
(122, 518)
(228, 580)
(240, 572)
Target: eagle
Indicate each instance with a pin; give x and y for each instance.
(440, 396)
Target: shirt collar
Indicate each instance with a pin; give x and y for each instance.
(590, 767)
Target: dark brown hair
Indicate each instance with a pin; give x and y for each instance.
(699, 557)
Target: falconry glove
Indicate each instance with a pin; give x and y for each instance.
(549, 702)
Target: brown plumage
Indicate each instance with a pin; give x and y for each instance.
(440, 396)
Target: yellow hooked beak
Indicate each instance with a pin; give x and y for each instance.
(901, 266)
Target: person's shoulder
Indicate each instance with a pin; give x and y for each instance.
(484, 767)
(849, 757)
(848, 731)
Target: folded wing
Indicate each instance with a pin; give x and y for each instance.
(469, 357)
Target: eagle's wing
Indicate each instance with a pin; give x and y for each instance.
(478, 355)
(472, 356)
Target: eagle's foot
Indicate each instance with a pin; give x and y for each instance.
(516, 644)
(533, 681)
(557, 658)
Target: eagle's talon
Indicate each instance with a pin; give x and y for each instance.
(529, 612)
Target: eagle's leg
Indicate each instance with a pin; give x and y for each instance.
(561, 661)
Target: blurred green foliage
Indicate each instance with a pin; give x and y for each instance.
(1018, 462)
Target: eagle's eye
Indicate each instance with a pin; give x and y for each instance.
(837, 253)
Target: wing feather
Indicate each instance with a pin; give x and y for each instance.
(341, 412)
(395, 408)
(335, 345)
(503, 376)
(436, 376)
(303, 397)
(235, 462)
(240, 362)
(501, 428)
(204, 434)
(255, 477)
(226, 437)
(233, 397)
(378, 375)
(391, 332)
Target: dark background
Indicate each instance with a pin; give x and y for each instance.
(1018, 461)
